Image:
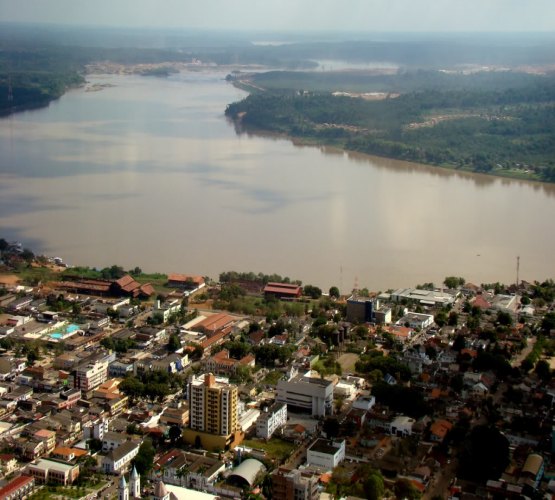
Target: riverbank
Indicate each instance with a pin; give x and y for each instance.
(503, 134)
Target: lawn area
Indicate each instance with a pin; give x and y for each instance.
(56, 492)
(32, 275)
(275, 448)
(347, 362)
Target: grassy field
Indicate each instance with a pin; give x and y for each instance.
(275, 448)
(347, 362)
(57, 492)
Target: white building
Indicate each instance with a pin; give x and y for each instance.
(401, 426)
(326, 454)
(425, 297)
(416, 320)
(345, 390)
(364, 403)
(305, 393)
(271, 420)
(117, 460)
(89, 376)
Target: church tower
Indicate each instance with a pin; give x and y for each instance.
(135, 484)
(123, 492)
(161, 492)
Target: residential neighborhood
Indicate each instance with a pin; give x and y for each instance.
(118, 384)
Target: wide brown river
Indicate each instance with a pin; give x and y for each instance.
(147, 172)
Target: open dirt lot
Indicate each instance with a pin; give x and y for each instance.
(8, 279)
(347, 362)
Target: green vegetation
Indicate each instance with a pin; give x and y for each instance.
(52, 492)
(505, 131)
(277, 449)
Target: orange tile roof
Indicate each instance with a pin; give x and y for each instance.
(440, 428)
(198, 280)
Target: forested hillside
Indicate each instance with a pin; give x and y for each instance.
(510, 131)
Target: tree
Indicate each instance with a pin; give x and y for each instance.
(334, 292)
(174, 343)
(543, 370)
(174, 433)
(312, 291)
(144, 459)
(453, 319)
(485, 454)
(94, 444)
(459, 343)
(548, 322)
(504, 318)
(440, 319)
(132, 387)
(373, 486)
(331, 427)
(453, 281)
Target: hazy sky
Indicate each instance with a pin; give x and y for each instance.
(358, 15)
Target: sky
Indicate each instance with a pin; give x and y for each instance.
(293, 15)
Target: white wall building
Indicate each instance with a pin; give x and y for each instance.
(326, 454)
(304, 393)
(364, 403)
(416, 320)
(116, 460)
(401, 426)
(271, 420)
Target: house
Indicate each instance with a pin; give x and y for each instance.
(118, 459)
(19, 487)
(186, 282)
(416, 320)
(176, 415)
(47, 437)
(51, 471)
(128, 286)
(282, 291)
(112, 440)
(401, 426)
(8, 464)
(439, 429)
(222, 364)
(325, 453)
(68, 454)
(166, 309)
(191, 470)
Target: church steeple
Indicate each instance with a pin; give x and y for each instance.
(123, 492)
(161, 492)
(135, 484)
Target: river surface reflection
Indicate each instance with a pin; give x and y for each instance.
(148, 172)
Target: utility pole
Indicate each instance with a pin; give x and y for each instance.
(517, 269)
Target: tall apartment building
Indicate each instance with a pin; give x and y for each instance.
(90, 375)
(213, 416)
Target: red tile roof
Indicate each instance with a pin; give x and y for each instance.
(185, 278)
(215, 322)
(14, 485)
(283, 289)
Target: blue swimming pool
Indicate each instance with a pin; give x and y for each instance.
(64, 331)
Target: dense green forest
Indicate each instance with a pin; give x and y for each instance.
(502, 123)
